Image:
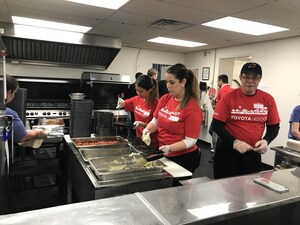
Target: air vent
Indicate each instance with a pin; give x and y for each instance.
(169, 24)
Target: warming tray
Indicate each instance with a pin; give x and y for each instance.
(125, 180)
(121, 166)
(96, 152)
(103, 141)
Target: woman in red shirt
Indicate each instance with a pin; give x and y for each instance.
(178, 118)
(143, 105)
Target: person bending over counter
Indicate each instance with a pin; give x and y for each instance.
(294, 131)
(19, 132)
(143, 105)
(239, 120)
(178, 118)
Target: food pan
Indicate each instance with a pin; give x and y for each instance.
(124, 180)
(95, 152)
(103, 141)
(121, 166)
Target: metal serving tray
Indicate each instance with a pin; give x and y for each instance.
(88, 142)
(125, 180)
(96, 152)
(121, 166)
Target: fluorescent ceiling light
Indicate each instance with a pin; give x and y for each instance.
(49, 24)
(244, 26)
(177, 42)
(109, 4)
(47, 34)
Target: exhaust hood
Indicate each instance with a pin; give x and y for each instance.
(76, 50)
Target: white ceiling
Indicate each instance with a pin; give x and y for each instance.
(131, 22)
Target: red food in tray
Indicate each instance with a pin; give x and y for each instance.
(86, 143)
(100, 141)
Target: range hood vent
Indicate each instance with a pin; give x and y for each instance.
(92, 51)
(19, 49)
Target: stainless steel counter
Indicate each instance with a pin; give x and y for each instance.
(128, 209)
(231, 201)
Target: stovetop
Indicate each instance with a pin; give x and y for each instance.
(48, 105)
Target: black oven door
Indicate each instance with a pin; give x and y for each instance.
(105, 95)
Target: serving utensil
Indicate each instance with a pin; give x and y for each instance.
(147, 152)
(118, 113)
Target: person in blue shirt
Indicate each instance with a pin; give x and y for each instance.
(294, 131)
(20, 133)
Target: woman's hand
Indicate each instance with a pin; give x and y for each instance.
(139, 124)
(120, 103)
(146, 136)
(166, 149)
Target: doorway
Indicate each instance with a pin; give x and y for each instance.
(232, 67)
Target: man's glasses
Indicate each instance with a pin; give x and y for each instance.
(247, 77)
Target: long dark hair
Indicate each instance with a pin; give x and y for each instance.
(11, 83)
(148, 83)
(191, 87)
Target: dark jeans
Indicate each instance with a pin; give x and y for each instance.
(229, 162)
(189, 161)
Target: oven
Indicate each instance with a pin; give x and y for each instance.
(104, 89)
(48, 97)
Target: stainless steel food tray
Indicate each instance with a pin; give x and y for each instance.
(88, 142)
(96, 152)
(126, 180)
(121, 166)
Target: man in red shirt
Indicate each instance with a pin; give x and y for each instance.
(239, 120)
(223, 86)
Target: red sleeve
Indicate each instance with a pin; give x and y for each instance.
(129, 104)
(222, 111)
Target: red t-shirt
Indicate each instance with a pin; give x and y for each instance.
(245, 116)
(174, 125)
(143, 111)
(223, 91)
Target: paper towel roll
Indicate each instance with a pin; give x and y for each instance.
(293, 144)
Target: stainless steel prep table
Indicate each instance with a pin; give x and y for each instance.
(83, 184)
(231, 201)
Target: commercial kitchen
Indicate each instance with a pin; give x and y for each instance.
(102, 64)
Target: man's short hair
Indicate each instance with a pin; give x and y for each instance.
(223, 78)
(138, 74)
